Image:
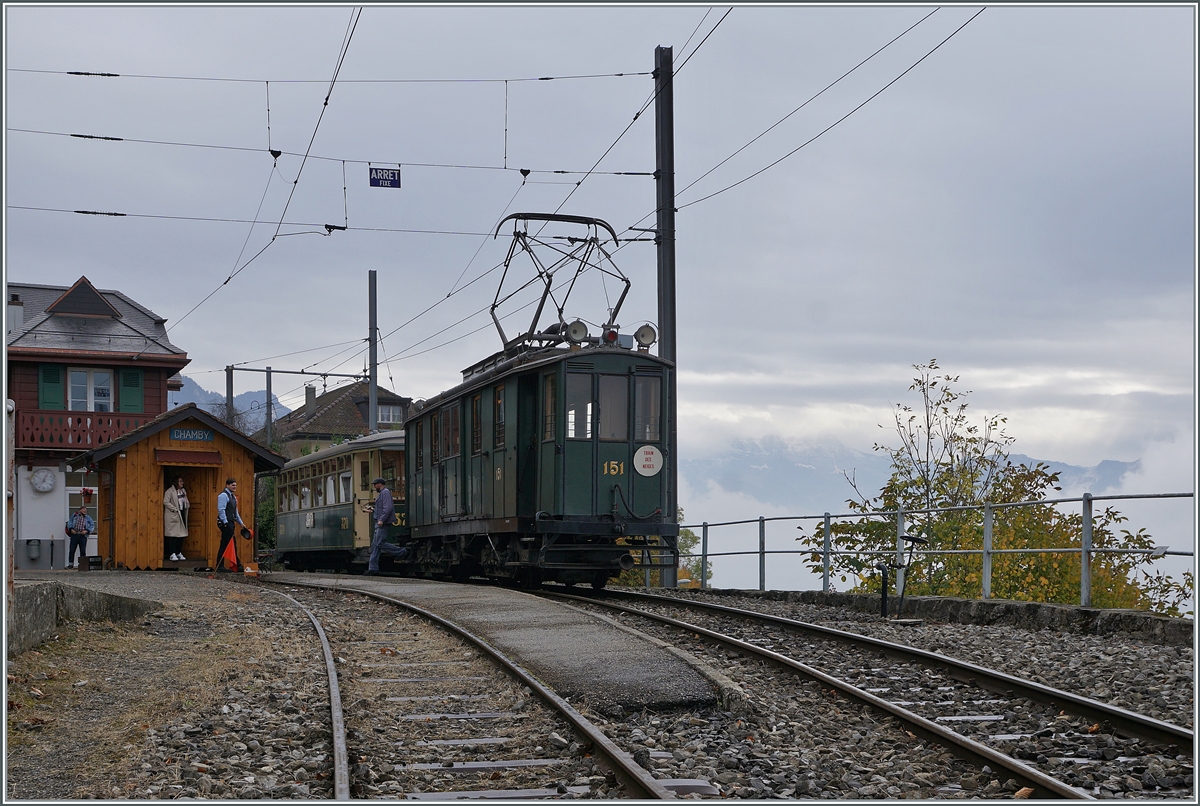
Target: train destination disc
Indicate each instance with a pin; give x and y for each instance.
(647, 460)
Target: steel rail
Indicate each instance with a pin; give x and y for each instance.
(341, 766)
(1123, 721)
(639, 784)
(1043, 785)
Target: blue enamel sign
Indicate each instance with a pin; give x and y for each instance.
(385, 177)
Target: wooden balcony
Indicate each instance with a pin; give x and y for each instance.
(73, 430)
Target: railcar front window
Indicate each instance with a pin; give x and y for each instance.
(614, 407)
(579, 406)
(647, 409)
(550, 402)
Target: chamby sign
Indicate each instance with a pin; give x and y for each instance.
(192, 434)
(385, 177)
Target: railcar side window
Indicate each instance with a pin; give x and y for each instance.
(346, 487)
(476, 425)
(418, 432)
(434, 435)
(450, 431)
(364, 471)
(498, 420)
(614, 407)
(549, 404)
(579, 406)
(647, 409)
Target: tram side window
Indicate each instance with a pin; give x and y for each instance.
(498, 420)
(476, 425)
(614, 407)
(435, 455)
(579, 406)
(330, 489)
(347, 487)
(647, 409)
(550, 403)
(364, 475)
(418, 431)
(305, 496)
(450, 431)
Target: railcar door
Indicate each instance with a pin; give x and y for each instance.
(649, 459)
(613, 465)
(450, 468)
(548, 450)
(579, 452)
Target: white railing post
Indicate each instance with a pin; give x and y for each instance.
(825, 560)
(987, 551)
(1085, 555)
(762, 553)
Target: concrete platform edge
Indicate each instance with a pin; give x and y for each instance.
(1149, 627)
(39, 607)
(730, 695)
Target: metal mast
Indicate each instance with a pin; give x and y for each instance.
(664, 176)
(373, 381)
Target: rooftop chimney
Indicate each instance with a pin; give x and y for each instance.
(310, 401)
(16, 314)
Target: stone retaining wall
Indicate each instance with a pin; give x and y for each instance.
(1149, 627)
(39, 607)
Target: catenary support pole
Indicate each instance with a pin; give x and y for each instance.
(664, 180)
(229, 395)
(1085, 556)
(373, 380)
(987, 551)
(270, 410)
(825, 556)
(704, 555)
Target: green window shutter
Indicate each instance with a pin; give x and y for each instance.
(50, 387)
(131, 390)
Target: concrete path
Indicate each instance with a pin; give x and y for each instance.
(572, 652)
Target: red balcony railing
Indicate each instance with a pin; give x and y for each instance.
(74, 430)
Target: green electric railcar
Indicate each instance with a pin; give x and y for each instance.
(548, 465)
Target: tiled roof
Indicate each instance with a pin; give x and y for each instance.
(138, 330)
(337, 414)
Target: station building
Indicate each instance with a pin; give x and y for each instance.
(333, 417)
(88, 369)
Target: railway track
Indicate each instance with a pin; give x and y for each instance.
(1058, 743)
(432, 712)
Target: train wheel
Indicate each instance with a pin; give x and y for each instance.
(599, 581)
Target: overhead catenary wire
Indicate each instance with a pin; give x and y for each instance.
(321, 157)
(346, 39)
(806, 103)
(322, 81)
(875, 95)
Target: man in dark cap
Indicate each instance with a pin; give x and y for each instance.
(384, 514)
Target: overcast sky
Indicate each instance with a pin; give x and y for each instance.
(1020, 205)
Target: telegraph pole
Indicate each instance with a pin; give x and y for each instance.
(229, 395)
(664, 180)
(270, 409)
(373, 384)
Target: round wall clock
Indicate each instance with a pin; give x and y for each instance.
(43, 480)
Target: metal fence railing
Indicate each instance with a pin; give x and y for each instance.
(1085, 550)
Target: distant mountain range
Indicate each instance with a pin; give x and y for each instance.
(251, 404)
(806, 478)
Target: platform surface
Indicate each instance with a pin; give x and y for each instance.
(572, 652)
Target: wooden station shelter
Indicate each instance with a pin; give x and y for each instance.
(136, 469)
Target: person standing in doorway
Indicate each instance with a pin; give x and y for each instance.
(384, 513)
(175, 512)
(228, 518)
(79, 527)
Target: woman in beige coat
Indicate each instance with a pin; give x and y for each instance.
(175, 511)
